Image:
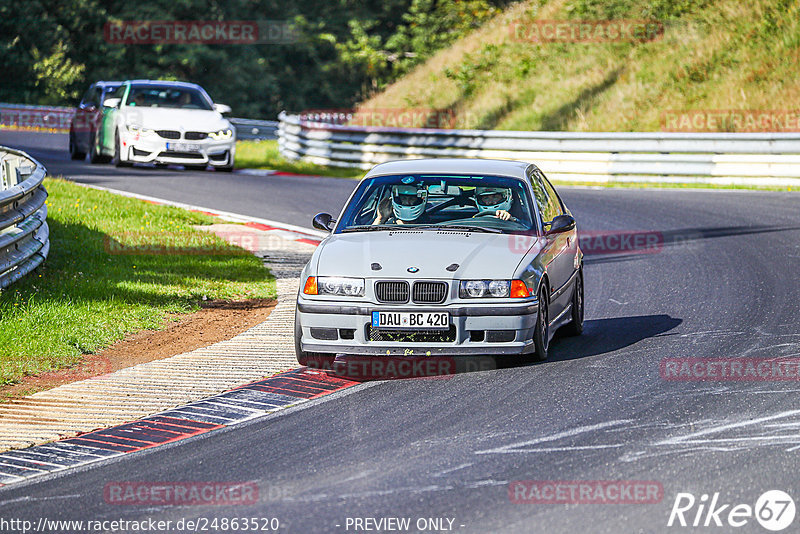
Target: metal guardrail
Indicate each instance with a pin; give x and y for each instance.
(24, 234)
(247, 129)
(58, 118)
(726, 158)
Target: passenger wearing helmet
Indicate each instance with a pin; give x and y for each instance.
(496, 200)
(406, 205)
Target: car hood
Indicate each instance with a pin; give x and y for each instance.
(478, 255)
(199, 120)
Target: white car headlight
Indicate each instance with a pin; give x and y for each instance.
(345, 287)
(136, 129)
(221, 135)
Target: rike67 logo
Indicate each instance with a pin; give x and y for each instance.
(774, 510)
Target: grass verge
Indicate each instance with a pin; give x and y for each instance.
(265, 155)
(117, 265)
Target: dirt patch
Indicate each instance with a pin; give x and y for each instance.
(215, 321)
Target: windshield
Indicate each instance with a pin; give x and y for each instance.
(471, 202)
(167, 97)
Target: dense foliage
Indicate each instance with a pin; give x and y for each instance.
(50, 50)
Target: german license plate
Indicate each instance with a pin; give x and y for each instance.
(183, 147)
(417, 320)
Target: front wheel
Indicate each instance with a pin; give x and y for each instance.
(118, 161)
(541, 336)
(575, 327)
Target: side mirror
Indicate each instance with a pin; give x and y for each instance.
(562, 223)
(222, 108)
(323, 221)
(111, 102)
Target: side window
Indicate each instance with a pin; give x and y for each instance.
(119, 92)
(538, 192)
(546, 199)
(97, 95)
(87, 96)
(553, 202)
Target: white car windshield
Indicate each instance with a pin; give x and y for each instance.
(480, 203)
(167, 97)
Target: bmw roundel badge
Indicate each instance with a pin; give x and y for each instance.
(413, 269)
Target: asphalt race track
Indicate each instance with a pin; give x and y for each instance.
(723, 283)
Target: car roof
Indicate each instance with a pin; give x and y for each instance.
(500, 167)
(107, 83)
(163, 83)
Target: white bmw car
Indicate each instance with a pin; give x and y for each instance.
(162, 122)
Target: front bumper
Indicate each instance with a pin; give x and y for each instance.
(154, 149)
(476, 329)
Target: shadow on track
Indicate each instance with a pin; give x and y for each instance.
(601, 336)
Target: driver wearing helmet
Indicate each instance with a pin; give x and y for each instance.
(406, 205)
(494, 199)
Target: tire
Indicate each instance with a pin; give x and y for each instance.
(575, 327)
(94, 150)
(541, 335)
(315, 360)
(117, 159)
(74, 153)
(226, 168)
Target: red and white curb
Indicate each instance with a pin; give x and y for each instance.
(236, 406)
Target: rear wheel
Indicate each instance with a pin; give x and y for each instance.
(575, 327)
(541, 335)
(74, 152)
(315, 360)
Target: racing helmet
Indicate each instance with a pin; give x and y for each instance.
(408, 201)
(492, 198)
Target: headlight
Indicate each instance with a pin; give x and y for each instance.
(334, 285)
(136, 129)
(221, 135)
(475, 289)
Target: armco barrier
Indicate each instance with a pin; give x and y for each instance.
(724, 158)
(24, 235)
(58, 118)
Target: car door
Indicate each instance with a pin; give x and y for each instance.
(82, 121)
(560, 249)
(109, 121)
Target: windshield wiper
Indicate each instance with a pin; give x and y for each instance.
(465, 227)
(370, 227)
